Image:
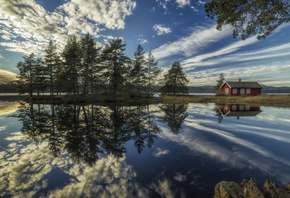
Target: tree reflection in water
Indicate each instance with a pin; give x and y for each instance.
(88, 131)
(174, 116)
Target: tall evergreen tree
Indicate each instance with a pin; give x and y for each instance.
(114, 64)
(29, 73)
(72, 62)
(219, 83)
(89, 60)
(52, 61)
(152, 72)
(138, 72)
(40, 77)
(175, 81)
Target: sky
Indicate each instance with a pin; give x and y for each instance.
(174, 30)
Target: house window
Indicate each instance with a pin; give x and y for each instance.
(247, 108)
(242, 91)
(226, 107)
(242, 108)
(234, 107)
(235, 91)
(248, 90)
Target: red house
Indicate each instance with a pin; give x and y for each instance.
(238, 110)
(241, 88)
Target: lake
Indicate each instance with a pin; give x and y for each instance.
(159, 150)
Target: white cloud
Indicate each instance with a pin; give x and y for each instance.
(188, 46)
(7, 76)
(163, 188)
(180, 177)
(142, 40)
(109, 13)
(163, 4)
(194, 9)
(161, 30)
(182, 3)
(201, 2)
(28, 26)
(159, 152)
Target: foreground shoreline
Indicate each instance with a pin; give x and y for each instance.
(262, 100)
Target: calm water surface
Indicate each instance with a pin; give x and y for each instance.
(172, 150)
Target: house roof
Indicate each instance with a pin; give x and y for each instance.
(243, 85)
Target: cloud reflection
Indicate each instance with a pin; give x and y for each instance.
(232, 144)
(25, 169)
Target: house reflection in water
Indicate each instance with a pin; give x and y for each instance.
(238, 110)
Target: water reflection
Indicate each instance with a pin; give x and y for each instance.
(236, 110)
(96, 149)
(87, 131)
(174, 116)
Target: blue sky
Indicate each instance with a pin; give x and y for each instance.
(174, 30)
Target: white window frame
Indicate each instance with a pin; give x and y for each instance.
(242, 91)
(241, 108)
(234, 107)
(235, 90)
(248, 90)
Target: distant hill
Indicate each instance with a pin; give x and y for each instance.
(267, 89)
(271, 89)
(201, 89)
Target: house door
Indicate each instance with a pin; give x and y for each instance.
(227, 91)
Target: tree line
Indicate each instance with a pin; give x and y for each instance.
(84, 68)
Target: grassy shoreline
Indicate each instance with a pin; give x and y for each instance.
(262, 100)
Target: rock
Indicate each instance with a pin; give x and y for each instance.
(226, 189)
(249, 188)
(273, 190)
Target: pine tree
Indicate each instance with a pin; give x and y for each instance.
(175, 81)
(219, 83)
(138, 72)
(152, 72)
(29, 75)
(52, 61)
(114, 64)
(72, 62)
(89, 60)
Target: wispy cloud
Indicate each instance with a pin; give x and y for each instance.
(199, 39)
(161, 30)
